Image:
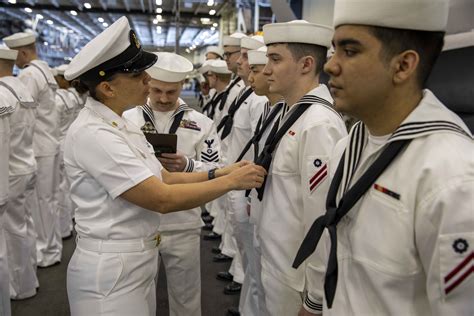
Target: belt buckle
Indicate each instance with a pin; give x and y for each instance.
(158, 240)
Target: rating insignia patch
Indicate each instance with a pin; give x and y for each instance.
(319, 176)
(460, 245)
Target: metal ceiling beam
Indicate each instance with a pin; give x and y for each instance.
(165, 14)
(127, 5)
(63, 21)
(142, 5)
(103, 4)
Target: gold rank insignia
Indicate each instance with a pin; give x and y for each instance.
(135, 39)
(114, 124)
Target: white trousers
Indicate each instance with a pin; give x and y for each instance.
(262, 309)
(280, 299)
(180, 251)
(20, 237)
(63, 197)
(112, 284)
(46, 216)
(5, 309)
(218, 212)
(251, 294)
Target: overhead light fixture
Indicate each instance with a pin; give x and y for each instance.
(159, 10)
(46, 43)
(50, 22)
(155, 21)
(159, 2)
(73, 12)
(159, 17)
(212, 12)
(39, 16)
(205, 20)
(105, 24)
(215, 24)
(187, 50)
(87, 5)
(29, 10)
(158, 29)
(213, 28)
(101, 20)
(12, 1)
(210, 3)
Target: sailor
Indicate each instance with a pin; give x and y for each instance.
(198, 150)
(399, 207)
(7, 107)
(208, 93)
(66, 105)
(240, 124)
(214, 52)
(231, 45)
(296, 154)
(20, 235)
(252, 300)
(40, 82)
(119, 186)
(236, 128)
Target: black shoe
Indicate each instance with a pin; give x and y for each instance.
(221, 258)
(216, 250)
(212, 236)
(233, 311)
(207, 219)
(224, 276)
(208, 226)
(232, 288)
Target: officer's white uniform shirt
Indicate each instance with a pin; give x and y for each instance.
(105, 155)
(197, 140)
(22, 124)
(233, 93)
(292, 200)
(400, 246)
(42, 85)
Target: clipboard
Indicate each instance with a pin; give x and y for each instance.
(162, 143)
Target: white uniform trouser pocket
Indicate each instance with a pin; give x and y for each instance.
(112, 283)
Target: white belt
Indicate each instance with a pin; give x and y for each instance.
(136, 245)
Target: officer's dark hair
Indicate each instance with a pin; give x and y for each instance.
(427, 44)
(83, 86)
(299, 50)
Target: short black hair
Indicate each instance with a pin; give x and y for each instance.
(319, 53)
(427, 44)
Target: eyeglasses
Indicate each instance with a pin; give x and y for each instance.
(228, 54)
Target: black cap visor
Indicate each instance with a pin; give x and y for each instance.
(132, 60)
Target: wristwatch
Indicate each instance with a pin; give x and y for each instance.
(211, 174)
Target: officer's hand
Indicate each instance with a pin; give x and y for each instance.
(247, 177)
(173, 162)
(304, 312)
(230, 168)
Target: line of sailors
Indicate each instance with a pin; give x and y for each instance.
(405, 247)
(37, 108)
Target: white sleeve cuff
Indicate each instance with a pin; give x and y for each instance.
(312, 306)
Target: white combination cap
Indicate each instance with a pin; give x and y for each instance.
(116, 49)
(218, 66)
(233, 39)
(421, 15)
(258, 56)
(19, 39)
(205, 66)
(6, 53)
(170, 67)
(215, 50)
(61, 69)
(298, 31)
(254, 42)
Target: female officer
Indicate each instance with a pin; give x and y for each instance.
(118, 185)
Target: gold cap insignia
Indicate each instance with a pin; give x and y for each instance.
(101, 73)
(135, 39)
